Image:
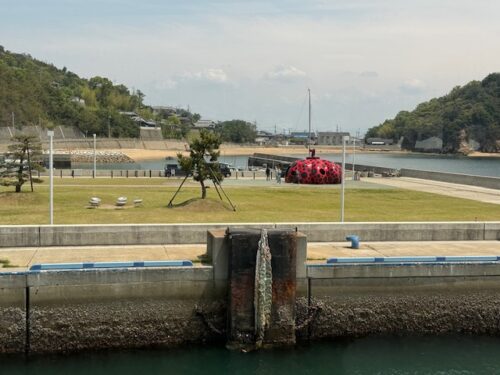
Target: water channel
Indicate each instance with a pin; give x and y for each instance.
(481, 166)
(448, 355)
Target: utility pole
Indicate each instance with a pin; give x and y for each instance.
(345, 138)
(309, 136)
(50, 133)
(95, 169)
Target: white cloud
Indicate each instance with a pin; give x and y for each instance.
(285, 73)
(368, 74)
(211, 75)
(412, 86)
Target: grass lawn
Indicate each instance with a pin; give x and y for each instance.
(254, 204)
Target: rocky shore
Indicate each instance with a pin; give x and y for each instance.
(102, 156)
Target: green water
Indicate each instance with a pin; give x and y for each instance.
(409, 355)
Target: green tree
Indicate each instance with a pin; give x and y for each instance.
(206, 145)
(23, 156)
(237, 131)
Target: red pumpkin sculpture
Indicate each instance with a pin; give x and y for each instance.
(314, 170)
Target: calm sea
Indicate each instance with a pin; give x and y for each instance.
(440, 163)
(409, 355)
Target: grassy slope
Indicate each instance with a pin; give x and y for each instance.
(254, 204)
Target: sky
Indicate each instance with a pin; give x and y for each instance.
(363, 61)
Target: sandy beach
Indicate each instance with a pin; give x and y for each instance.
(232, 150)
(235, 150)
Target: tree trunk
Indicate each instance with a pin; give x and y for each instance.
(203, 190)
(18, 188)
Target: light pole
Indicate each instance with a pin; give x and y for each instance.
(95, 171)
(354, 158)
(345, 138)
(50, 133)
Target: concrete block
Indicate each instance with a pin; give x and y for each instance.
(19, 236)
(390, 231)
(425, 271)
(218, 249)
(120, 276)
(301, 256)
(14, 280)
(492, 231)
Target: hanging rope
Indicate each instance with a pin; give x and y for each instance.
(263, 289)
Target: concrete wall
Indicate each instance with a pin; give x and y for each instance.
(140, 234)
(455, 178)
(420, 299)
(12, 313)
(92, 309)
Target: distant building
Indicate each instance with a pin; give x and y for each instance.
(379, 141)
(432, 144)
(263, 137)
(331, 138)
(204, 124)
(139, 120)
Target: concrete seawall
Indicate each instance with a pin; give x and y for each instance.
(93, 309)
(455, 178)
(124, 234)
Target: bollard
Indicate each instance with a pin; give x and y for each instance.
(150, 173)
(354, 241)
(111, 173)
(61, 172)
(126, 173)
(73, 173)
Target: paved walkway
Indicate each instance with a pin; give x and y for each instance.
(444, 188)
(23, 258)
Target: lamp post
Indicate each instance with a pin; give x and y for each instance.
(354, 158)
(95, 171)
(345, 138)
(50, 133)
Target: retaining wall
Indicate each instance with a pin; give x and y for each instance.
(93, 309)
(127, 308)
(143, 234)
(455, 178)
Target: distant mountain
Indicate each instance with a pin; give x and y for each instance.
(36, 93)
(468, 113)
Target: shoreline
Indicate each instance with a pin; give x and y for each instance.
(231, 150)
(143, 154)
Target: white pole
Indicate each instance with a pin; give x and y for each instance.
(354, 158)
(50, 133)
(95, 171)
(345, 138)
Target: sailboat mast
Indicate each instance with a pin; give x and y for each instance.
(309, 138)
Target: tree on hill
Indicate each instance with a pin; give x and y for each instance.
(237, 131)
(471, 112)
(205, 146)
(23, 156)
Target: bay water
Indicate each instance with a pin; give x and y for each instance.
(441, 355)
(480, 166)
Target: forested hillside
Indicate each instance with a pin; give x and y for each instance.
(36, 93)
(471, 112)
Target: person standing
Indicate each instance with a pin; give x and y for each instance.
(278, 174)
(268, 173)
